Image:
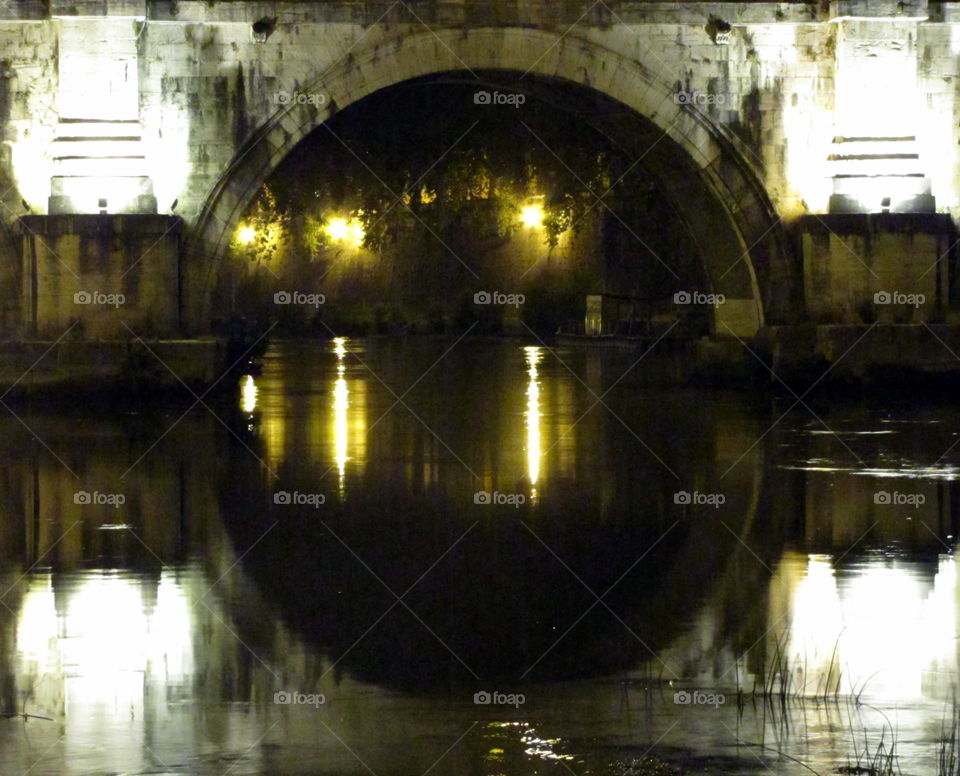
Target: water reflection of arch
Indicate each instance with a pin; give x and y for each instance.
(501, 597)
(845, 569)
(718, 572)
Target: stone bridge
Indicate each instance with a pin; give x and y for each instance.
(810, 148)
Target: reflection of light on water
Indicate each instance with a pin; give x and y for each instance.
(542, 747)
(939, 630)
(105, 633)
(903, 470)
(533, 744)
(37, 624)
(273, 428)
(170, 629)
(883, 608)
(105, 643)
(532, 418)
(890, 630)
(816, 626)
(341, 403)
(248, 395)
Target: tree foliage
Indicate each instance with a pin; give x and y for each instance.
(402, 161)
(438, 184)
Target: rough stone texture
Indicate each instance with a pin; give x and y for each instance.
(132, 261)
(757, 137)
(849, 260)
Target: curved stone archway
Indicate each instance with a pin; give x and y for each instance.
(708, 174)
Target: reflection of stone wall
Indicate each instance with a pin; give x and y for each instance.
(40, 491)
(121, 580)
(903, 495)
(8, 639)
(836, 516)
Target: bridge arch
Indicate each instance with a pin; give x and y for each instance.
(710, 176)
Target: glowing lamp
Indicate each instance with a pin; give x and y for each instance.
(337, 229)
(246, 235)
(341, 230)
(357, 232)
(532, 216)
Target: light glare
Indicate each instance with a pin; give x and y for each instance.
(341, 230)
(532, 216)
(532, 418)
(341, 404)
(248, 398)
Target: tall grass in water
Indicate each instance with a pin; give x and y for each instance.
(872, 760)
(948, 756)
(779, 684)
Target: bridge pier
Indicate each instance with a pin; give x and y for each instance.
(861, 268)
(102, 276)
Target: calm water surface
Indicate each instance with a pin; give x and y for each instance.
(476, 557)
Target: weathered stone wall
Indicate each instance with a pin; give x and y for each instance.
(100, 277)
(770, 87)
(888, 268)
(207, 84)
(28, 114)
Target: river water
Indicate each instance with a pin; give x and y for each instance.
(477, 557)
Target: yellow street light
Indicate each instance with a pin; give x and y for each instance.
(337, 228)
(532, 216)
(246, 235)
(342, 230)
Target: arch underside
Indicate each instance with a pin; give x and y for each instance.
(709, 181)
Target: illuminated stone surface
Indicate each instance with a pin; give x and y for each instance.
(765, 113)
